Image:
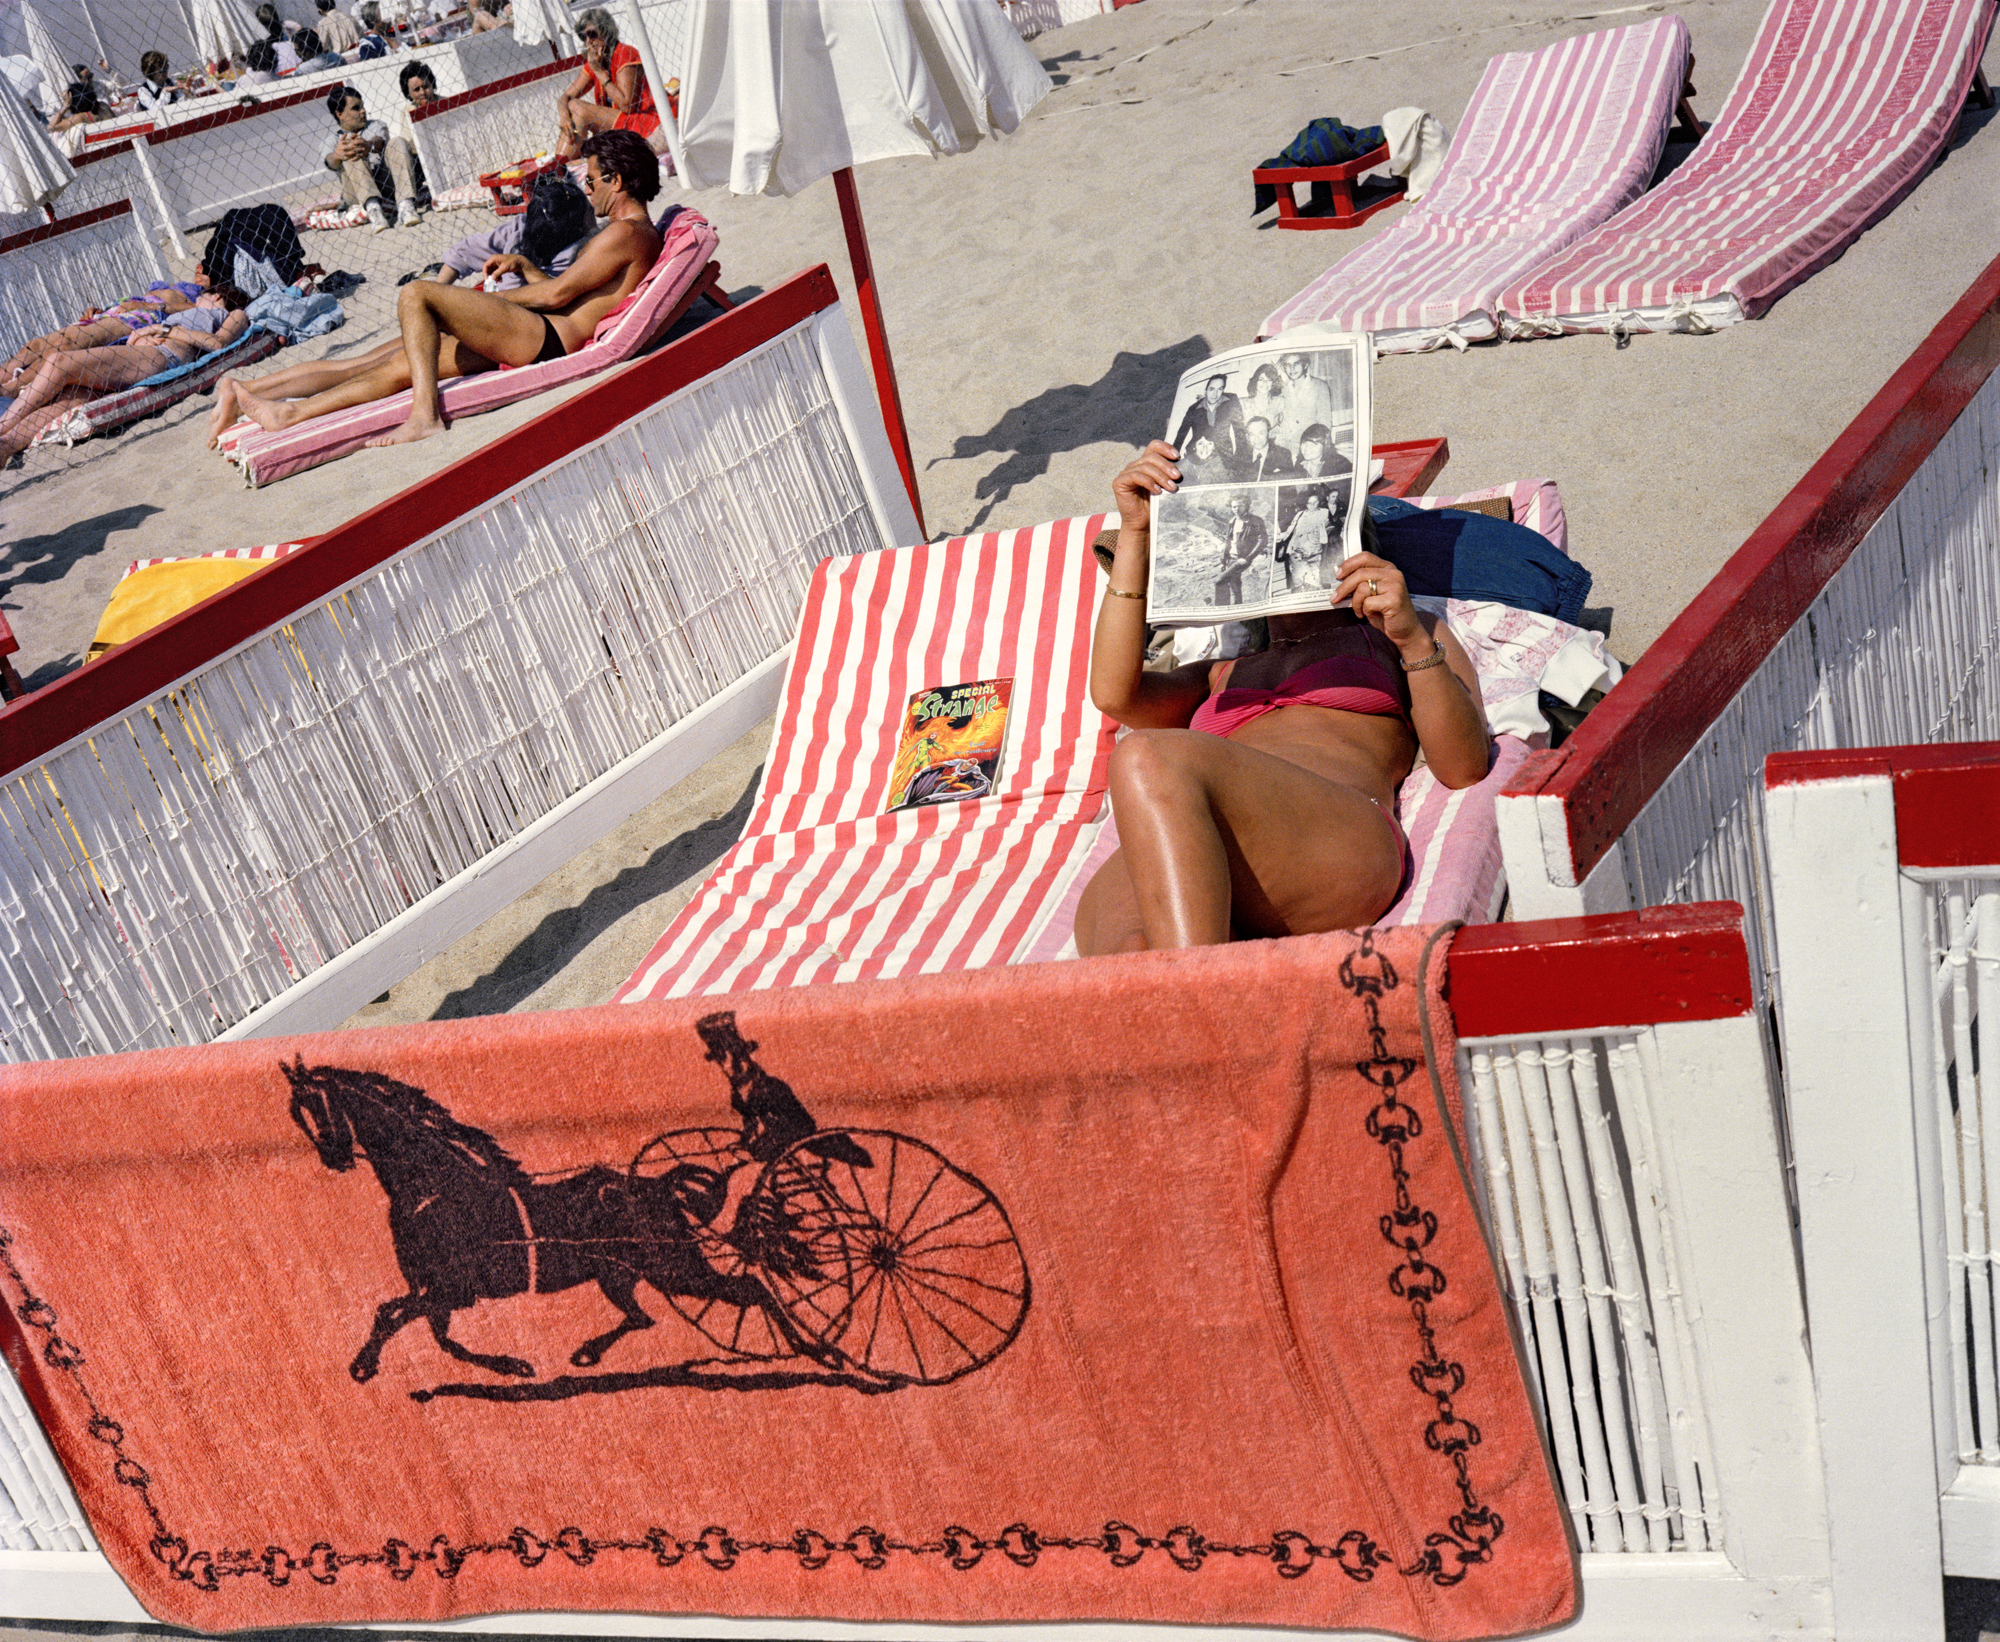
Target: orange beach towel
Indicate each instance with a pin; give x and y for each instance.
(1142, 1289)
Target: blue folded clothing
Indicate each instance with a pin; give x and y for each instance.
(1323, 142)
(1450, 554)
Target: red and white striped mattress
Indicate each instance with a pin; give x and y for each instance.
(1553, 143)
(115, 410)
(684, 253)
(1841, 108)
(823, 886)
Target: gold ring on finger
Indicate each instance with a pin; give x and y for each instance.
(1373, 587)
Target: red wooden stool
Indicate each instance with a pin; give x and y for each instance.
(1333, 191)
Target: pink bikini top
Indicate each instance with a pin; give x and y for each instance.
(1351, 683)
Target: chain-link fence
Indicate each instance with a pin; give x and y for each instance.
(241, 176)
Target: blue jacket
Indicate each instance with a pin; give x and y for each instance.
(1447, 553)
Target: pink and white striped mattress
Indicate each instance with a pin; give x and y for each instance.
(1553, 142)
(825, 887)
(1841, 108)
(639, 320)
(114, 410)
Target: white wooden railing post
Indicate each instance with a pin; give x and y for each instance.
(1861, 1121)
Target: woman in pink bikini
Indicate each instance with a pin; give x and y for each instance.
(1256, 797)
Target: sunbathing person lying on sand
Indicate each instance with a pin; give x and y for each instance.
(102, 327)
(80, 375)
(1256, 796)
(452, 330)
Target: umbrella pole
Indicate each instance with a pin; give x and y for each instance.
(878, 338)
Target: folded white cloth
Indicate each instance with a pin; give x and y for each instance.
(1417, 144)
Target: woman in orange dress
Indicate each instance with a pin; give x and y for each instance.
(610, 89)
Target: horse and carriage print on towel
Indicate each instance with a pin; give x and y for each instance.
(804, 1255)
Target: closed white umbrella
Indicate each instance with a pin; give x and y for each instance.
(33, 170)
(42, 47)
(540, 21)
(776, 94)
(223, 29)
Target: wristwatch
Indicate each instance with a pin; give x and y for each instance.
(1435, 659)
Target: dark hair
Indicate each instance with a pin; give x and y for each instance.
(81, 71)
(82, 100)
(336, 99)
(415, 71)
(558, 215)
(274, 25)
(154, 65)
(231, 297)
(262, 56)
(1319, 434)
(325, 6)
(624, 155)
(307, 45)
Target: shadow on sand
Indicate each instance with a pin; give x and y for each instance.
(566, 932)
(1120, 407)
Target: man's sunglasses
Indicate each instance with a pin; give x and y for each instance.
(592, 34)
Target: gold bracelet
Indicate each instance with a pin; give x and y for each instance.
(1435, 659)
(1120, 593)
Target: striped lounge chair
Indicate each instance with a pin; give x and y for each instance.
(825, 887)
(143, 399)
(1553, 143)
(1841, 108)
(683, 273)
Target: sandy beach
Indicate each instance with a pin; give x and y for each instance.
(1043, 294)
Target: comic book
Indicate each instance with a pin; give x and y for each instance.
(1274, 449)
(953, 736)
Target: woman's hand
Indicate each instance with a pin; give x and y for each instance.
(148, 334)
(1153, 470)
(1381, 598)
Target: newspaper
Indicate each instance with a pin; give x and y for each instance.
(1271, 438)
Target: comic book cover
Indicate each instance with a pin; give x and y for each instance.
(953, 735)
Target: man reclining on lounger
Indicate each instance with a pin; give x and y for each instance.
(452, 330)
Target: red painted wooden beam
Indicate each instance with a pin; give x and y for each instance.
(1617, 759)
(65, 225)
(1685, 963)
(1947, 797)
(492, 88)
(135, 673)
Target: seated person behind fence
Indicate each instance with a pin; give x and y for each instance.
(313, 55)
(262, 58)
(609, 92)
(156, 90)
(451, 331)
(80, 375)
(370, 161)
(337, 30)
(550, 234)
(1256, 797)
(103, 327)
(486, 15)
(374, 43)
(80, 108)
(419, 86)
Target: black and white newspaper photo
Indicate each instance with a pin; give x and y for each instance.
(1271, 438)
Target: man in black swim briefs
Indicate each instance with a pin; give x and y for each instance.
(454, 330)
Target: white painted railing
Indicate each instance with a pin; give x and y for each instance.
(1885, 871)
(49, 276)
(604, 603)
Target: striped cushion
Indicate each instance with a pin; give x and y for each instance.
(1553, 142)
(823, 886)
(1841, 108)
(684, 253)
(114, 410)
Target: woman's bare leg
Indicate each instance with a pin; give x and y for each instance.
(1107, 912)
(1220, 838)
(32, 353)
(22, 434)
(298, 381)
(97, 369)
